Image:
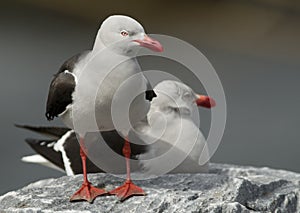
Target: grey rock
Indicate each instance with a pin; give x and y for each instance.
(227, 188)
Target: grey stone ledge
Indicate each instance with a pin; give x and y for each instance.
(227, 188)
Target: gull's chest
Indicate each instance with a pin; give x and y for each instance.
(98, 82)
(99, 86)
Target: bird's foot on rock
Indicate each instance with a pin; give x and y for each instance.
(87, 192)
(127, 190)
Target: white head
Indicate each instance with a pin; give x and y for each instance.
(125, 35)
(173, 96)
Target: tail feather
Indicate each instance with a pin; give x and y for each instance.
(63, 152)
(51, 132)
(38, 159)
(45, 149)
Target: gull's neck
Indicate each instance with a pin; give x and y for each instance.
(98, 44)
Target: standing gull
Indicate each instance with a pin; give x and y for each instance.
(85, 88)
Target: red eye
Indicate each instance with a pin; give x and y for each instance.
(124, 33)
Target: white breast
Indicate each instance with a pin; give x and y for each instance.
(101, 79)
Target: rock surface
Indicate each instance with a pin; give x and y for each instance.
(227, 188)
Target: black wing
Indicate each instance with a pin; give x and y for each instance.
(60, 94)
(149, 93)
(51, 132)
(45, 149)
(71, 62)
(116, 143)
(62, 87)
(71, 147)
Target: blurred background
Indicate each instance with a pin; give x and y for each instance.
(254, 46)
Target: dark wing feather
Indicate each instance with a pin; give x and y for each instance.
(116, 143)
(149, 93)
(62, 87)
(42, 147)
(71, 147)
(71, 62)
(60, 94)
(52, 132)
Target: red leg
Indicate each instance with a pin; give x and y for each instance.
(128, 189)
(87, 191)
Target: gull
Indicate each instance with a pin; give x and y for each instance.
(88, 84)
(176, 144)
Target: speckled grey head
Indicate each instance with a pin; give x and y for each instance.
(174, 94)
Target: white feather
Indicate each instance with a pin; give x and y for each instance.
(38, 159)
(59, 147)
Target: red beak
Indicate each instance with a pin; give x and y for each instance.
(150, 43)
(205, 101)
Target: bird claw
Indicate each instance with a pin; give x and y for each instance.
(128, 189)
(87, 192)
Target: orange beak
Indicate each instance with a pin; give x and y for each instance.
(205, 101)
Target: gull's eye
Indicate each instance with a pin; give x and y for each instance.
(124, 33)
(187, 95)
